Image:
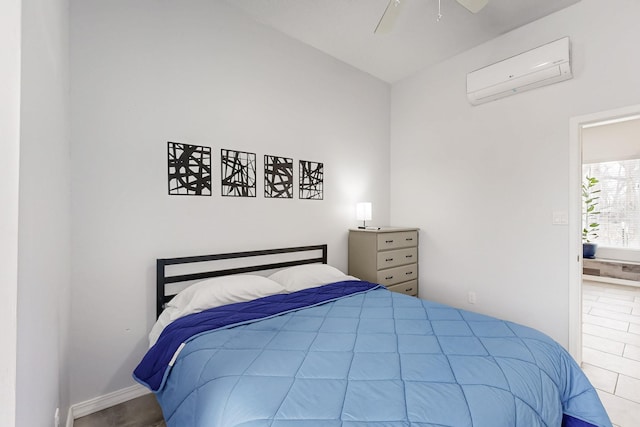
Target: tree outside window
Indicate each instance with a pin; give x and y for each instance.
(619, 202)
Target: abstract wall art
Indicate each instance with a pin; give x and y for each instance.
(189, 173)
(278, 177)
(311, 180)
(238, 173)
(189, 169)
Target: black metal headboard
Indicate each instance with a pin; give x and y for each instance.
(162, 279)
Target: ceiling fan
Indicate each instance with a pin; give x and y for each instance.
(388, 19)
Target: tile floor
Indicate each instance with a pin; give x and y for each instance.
(611, 348)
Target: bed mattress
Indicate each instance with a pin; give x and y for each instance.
(354, 354)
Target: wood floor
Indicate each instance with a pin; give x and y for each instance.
(611, 360)
(611, 348)
(141, 412)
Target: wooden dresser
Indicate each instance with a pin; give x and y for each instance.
(388, 256)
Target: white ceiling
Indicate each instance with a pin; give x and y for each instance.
(344, 28)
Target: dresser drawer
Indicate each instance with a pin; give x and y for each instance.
(388, 259)
(388, 256)
(408, 288)
(392, 276)
(400, 239)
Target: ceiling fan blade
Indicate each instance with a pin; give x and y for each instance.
(388, 19)
(473, 6)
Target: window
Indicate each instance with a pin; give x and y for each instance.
(619, 203)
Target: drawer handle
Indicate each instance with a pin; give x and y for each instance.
(408, 256)
(408, 289)
(409, 273)
(388, 278)
(388, 259)
(388, 241)
(409, 239)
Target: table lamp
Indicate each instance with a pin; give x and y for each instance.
(363, 213)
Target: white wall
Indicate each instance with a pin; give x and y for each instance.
(614, 141)
(482, 182)
(10, 48)
(148, 72)
(44, 232)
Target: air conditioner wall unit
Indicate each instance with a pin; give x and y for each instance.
(544, 65)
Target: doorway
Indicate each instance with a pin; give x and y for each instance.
(577, 127)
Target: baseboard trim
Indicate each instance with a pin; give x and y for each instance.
(69, 418)
(103, 402)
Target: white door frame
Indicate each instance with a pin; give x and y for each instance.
(575, 216)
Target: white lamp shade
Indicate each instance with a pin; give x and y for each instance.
(363, 211)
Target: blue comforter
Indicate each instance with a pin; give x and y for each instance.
(353, 354)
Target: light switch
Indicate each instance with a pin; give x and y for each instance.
(560, 218)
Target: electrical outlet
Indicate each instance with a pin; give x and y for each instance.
(56, 418)
(471, 297)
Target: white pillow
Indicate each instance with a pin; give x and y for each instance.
(308, 276)
(212, 293)
(167, 316)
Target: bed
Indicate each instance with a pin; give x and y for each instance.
(306, 345)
